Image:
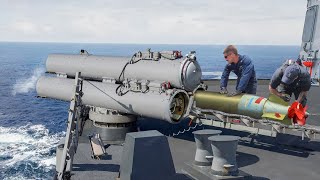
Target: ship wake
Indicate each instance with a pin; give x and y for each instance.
(27, 152)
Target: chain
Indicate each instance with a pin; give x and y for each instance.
(187, 129)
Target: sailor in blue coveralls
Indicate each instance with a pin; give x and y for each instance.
(291, 78)
(243, 67)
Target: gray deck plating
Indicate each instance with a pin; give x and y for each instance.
(259, 156)
(84, 167)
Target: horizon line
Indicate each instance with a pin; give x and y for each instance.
(130, 43)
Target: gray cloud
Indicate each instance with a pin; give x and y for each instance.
(147, 21)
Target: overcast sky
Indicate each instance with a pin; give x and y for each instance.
(154, 21)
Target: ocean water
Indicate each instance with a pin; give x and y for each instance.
(31, 127)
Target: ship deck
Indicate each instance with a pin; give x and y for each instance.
(260, 156)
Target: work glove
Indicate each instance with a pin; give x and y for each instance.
(234, 93)
(285, 97)
(223, 90)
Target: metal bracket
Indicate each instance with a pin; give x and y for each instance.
(248, 124)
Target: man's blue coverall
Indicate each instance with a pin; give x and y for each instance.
(244, 69)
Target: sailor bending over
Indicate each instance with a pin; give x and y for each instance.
(243, 67)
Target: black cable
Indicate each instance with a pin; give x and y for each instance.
(122, 74)
(118, 89)
(124, 67)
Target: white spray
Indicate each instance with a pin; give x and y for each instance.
(27, 84)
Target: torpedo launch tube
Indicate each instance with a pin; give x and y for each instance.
(168, 106)
(118, 90)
